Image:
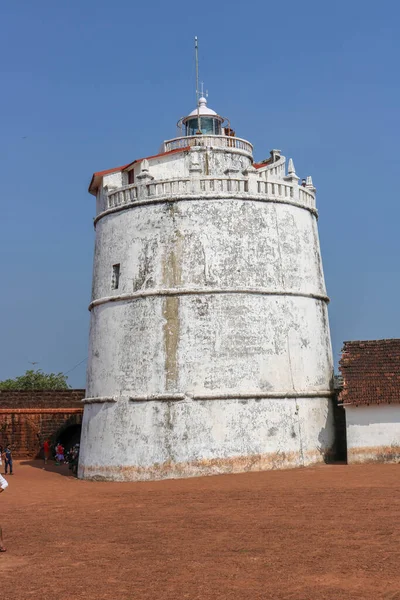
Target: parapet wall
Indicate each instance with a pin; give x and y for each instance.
(41, 398)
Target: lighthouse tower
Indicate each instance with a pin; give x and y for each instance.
(209, 339)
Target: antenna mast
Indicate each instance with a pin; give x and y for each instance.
(196, 51)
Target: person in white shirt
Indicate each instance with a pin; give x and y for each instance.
(3, 486)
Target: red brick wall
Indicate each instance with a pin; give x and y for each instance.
(28, 418)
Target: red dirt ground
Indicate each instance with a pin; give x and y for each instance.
(329, 532)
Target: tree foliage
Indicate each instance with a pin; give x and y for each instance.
(36, 380)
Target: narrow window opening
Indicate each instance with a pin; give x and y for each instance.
(131, 177)
(115, 276)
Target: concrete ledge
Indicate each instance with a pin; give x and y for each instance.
(261, 395)
(99, 400)
(158, 398)
(202, 292)
(199, 468)
(231, 396)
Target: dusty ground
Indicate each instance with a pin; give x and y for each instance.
(330, 532)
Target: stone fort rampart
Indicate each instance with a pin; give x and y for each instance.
(27, 418)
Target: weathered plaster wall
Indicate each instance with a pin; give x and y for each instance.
(154, 440)
(231, 243)
(216, 344)
(373, 433)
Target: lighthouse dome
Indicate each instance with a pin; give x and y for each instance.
(203, 109)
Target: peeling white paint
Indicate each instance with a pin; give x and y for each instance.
(203, 437)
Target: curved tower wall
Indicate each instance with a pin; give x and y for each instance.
(213, 355)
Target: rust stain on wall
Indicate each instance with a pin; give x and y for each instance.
(382, 454)
(198, 468)
(172, 277)
(171, 339)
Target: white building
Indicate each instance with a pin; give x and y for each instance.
(371, 399)
(209, 342)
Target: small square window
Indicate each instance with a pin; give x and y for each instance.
(115, 276)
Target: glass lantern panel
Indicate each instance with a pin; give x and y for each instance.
(209, 126)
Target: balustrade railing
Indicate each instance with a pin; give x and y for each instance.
(306, 197)
(172, 187)
(187, 187)
(125, 195)
(274, 170)
(213, 141)
(223, 184)
(275, 189)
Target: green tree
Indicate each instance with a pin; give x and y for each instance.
(36, 380)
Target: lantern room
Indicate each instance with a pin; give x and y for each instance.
(203, 121)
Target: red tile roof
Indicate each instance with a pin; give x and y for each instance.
(262, 164)
(98, 176)
(108, 171)
(371, 372)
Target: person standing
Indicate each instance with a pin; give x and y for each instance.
(60, 453)
(46, 451)
(3, 486)
(8, 459)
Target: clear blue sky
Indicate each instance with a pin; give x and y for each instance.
(89, 84)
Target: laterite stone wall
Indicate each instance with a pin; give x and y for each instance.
(27, 418)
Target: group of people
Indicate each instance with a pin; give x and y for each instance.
(60, 456)
(59, 452)
(72, 458)
(6, 456)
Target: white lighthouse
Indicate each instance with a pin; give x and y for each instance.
(209, 343)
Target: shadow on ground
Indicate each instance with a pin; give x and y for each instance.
(51, 467)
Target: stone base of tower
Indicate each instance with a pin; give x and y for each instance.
(136, 441)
